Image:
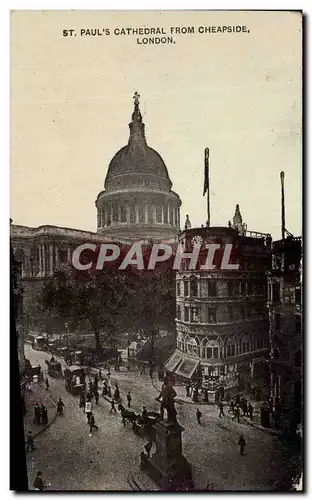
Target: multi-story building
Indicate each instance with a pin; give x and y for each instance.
(18, 292)
(285, 315)
(222, 320)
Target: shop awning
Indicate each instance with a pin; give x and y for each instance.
(173, 362)
(187, 367)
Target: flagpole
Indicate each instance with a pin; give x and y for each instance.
(208, 185)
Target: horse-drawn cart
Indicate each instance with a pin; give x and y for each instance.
(54, 368)
(75, 380)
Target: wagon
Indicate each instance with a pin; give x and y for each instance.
(75, 380)
(54, 368)
(147, 429)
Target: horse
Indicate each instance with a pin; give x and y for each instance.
(128, 415)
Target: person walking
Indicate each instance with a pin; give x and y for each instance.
(116, 393)
(39, 483)
(47, 384)
(97, 397)
(129, 398)
(37, 419)
(60, 406)
(198, 415)
(30, 444)
(113, 406)
(148, 448)
(44, 415)
(241, 444)
(231, 409)
(236, 413)
(100, 374)
(88, 410)
(82, 401)
(250, 410)
(92, 423)
(221, 412)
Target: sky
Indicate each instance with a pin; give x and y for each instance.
(237, 93)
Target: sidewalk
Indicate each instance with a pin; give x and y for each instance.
(37, 394)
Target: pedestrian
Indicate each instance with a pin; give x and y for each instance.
(97, 397)
(60, 406)
(231, 410)
(37, 412)
(92, 423)
(30, 445)
(100, 374)
(221, 412)
(236, 413)
(237, 398)
(129, 398)
(145, 415)
(148, 448)
(116, 394)
(89, 396)
(47, 384)
(241, 444)
(38, 483)
(245, 408)
(250, 410)
(44, 415)
(109, 391)
(88, 410)
(198, 415)
(82, 401)
(113, 406)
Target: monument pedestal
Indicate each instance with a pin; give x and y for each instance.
(168, 467)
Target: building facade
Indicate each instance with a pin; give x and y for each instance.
(138, 202)
(285, 315)
(18, 307)
(222, 319)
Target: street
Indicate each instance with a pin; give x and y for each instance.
(71, 460)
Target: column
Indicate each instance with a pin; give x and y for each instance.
(154, 213)
(169, 208)
(136, 213)
(68, 255)
(119, 214)
(146, 213)
(40, 261)
(51, 259)
(128, 213)
(162, 214)
(57, 258)
(178, 215)
(43, 259)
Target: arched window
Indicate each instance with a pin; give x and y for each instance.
(180, 341)
(207, 350)
(193, 286)
(192, 347)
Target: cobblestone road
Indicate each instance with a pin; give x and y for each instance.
(71, 460)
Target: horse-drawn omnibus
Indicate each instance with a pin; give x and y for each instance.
(75, 379)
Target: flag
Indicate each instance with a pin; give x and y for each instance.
(206, 181)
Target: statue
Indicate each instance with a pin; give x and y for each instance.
(166, 399)
(136, 98)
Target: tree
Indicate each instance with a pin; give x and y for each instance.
(100, 298)
(113, 300)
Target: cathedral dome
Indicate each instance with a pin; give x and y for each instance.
(140, 162)
(137, 163)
